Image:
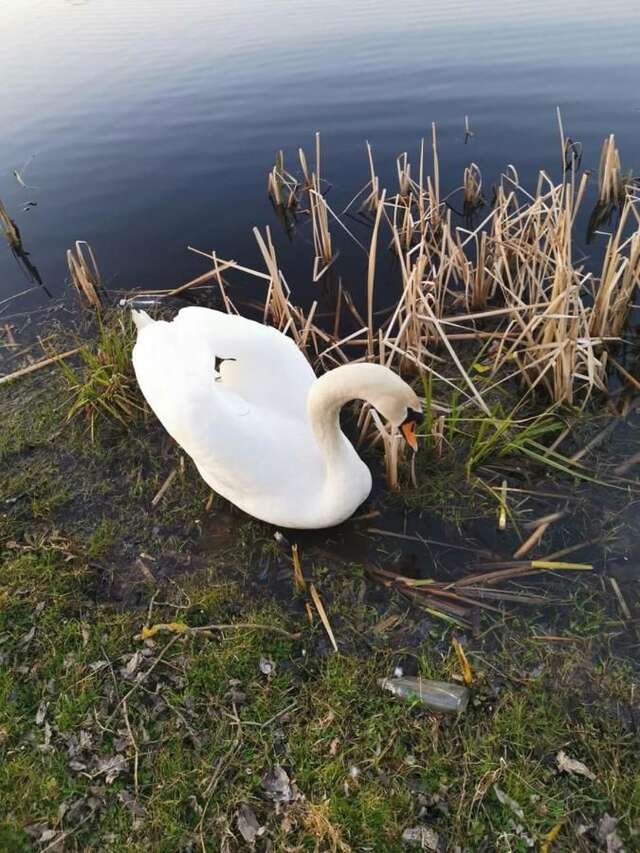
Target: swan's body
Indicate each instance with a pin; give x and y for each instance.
(262, 430)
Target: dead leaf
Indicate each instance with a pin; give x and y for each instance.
(277, 785)
(248, 825)
(42, 712)
(427, 838)
(26, 639)
(607, 834)
(132, 665)
(112, 767)
(267, 666)
(572, 766)
(506, 800)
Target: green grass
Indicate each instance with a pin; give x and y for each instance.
(368, 764)
(205, 723)
(104, 386)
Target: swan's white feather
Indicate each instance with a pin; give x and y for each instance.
(246, 427)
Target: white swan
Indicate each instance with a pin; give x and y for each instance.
(263, 431)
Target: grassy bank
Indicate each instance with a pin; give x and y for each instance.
(109, 741)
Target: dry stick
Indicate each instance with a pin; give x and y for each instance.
(164, 487)
(298, 576)
(545, 519)
(210, 790)
(186, 630)
(201, 279)
(628, 376)
(623, 604)
(31, 368)
(146, 571)
(136, 758)
(56, 841)
(231, 264)
(532, 540)
(323, 615)
(595, 442)
(627, 464)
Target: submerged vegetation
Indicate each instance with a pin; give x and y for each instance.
(174, 677)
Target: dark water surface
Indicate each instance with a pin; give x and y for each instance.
(154, 123)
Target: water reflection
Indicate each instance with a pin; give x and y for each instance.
(156, 124)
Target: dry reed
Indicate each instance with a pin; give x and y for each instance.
(515, 281)
(84, 273)
(10, 229)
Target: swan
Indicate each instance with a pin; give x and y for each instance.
(242, 400)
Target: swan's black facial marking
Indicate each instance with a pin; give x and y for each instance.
(218, 361)
(413, 416)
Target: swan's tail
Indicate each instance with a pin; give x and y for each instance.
(141, 319)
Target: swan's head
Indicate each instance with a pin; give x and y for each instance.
(383, 389)
(397, 402)
(394, 399)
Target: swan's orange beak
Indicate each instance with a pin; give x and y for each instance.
(408, 429)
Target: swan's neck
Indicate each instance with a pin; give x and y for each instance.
(327, 396)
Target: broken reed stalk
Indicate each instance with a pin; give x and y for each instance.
(610, 181)
(472, 188)
(281, 185)
(275, 184)
(31, 368)
(84, 273)
(321, 234)
(10, 229)
(373, 199)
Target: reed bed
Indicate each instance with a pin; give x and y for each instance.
(515, 283)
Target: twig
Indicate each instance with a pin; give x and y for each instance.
(532, 540)
(31, 368)
(621, 601)
(180, 629)
(323, 615)
(164, 487)
(136, 757)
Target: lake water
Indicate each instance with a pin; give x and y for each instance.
(149, 126)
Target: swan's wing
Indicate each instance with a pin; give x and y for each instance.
(246, 428)
(260, 364)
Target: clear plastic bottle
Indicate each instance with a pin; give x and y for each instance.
(439, 696)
